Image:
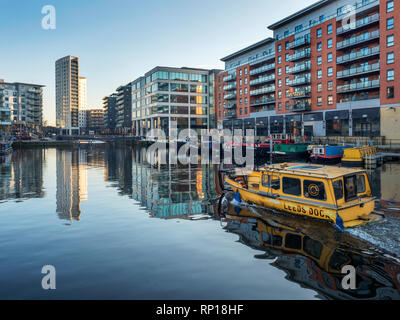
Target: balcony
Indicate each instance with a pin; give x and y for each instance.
(359, 7)
(262, 90)
(267, 57)
(366, 21)
(300, 94)
(358, 71)
(230, 114)
(297, 43)
(230, 96)
(301, 106)
(300, 68)
(304, 54)
(261, 80)
(364, 85)
(362, 38)
(361, 54)
(229, 105)
(229, 77)
(229, 87)
(262, 69)
(299, 81)
(260, 102)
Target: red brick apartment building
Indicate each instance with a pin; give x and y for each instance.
(332, 68)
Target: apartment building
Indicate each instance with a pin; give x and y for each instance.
(124, 109)
(82, 118)
(165, 94)
(335, 73)
(95, 119)
(21, 104)
(109, 109)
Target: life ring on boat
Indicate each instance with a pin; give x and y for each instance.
(241, 181)
(313, 190)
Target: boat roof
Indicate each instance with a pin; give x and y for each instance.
(312, 170)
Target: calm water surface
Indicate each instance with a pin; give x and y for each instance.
(116, 228)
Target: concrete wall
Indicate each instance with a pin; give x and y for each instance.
(390, 122)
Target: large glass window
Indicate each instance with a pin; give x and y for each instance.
(314, 190)
(179, 76)
(338, 189)
(390, 23)
(179, 110)
(179, 87)
(198, 88)
(198, 111)
(198, 77)
(389, 6)
(337, 127)
(179, 99)
(360, 183)
(291, 186)
(198, 99)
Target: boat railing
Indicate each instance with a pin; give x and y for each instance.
(295, 171)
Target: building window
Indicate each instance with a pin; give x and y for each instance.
(330, 85)
(390, 75)
(245, 110)
(390, 41)
(287, 57)
(389, 6)
(240, 82)
(287, 69)
(319, 60)
(287, 105)
(319, 46)
(240, 101)
(390, 58)
(245, 102)
(279, 94)
(330, 57)
(319, 87)
(279, 60)
(287, 80)
(287, 45)
(319, 74)
(319, 101)
(390, 24)
(279, 71)
(330, 72)
(241, 91)
(390, 92)
(287, 93)
(319, 33)
(240, 72)
(330, 100)
(321, 18)
(245, 80)
(245, 70)
(298, 28)
(330, 43)
(245, 90)
(279, 47)
(329, 29)
(279, 83)
(279, 106)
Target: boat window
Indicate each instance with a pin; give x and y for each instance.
(350, 187)
(266, 237)
(314, 190)
(360, 183)
(312, 247)
(338, 189)
(275, 182)
(291, 186)
(293, 241)
(277, 241)
(264, 181)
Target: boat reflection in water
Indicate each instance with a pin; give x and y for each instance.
(313, 254)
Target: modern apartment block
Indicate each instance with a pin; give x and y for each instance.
(332, 71)
(109, 108)
(82, 93)
(124, 109)
(95, 119)
(82, 118)
(67, 94)
(165, 94)
(21, 104)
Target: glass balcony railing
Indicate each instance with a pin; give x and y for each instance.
(300, 68)
(364, 85)
(363, 53)
(263, 58)
(262, 69)
(299, 81)
(230, 105)
(229, 87)
(299, 42)
(262, 90)
(358, 39)
(299, 55)
(262, 80)
(230, 114)
(301, 106)
(230, 96)
(358, 24)
(259, 102)
(359, 70)
(358, 6)
(229, 77)
(299, 94)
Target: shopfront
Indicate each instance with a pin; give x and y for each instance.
(276, 125)
(262, 127)
(337, 123)
(293, 125)
(366, 122)
(313, 124)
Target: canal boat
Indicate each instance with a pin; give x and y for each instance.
(354, 157)
(327, 154)
(339, 195)
(5, 148)
(290, 151)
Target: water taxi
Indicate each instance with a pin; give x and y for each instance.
(327, 154)
(335, 194)
(354, 157)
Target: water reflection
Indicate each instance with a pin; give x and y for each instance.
(313, 254)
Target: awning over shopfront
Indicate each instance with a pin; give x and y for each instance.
(372, 113)
(337, 115)
(316, 116)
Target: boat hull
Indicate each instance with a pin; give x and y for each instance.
(353, 163)
(326, 160)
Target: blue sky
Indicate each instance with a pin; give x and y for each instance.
(119, 40)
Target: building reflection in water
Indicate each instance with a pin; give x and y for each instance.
(72, 182)
(313, 254)
(21, 174)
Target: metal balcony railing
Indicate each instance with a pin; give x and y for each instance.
(300, 68)
(229, 87)
(359, 70)
(229, 77)
(262, 69)
(358, 6)
(301, 106)
(230, 96)
(299, 55)
(263, 80)
(299, 81)
(230, 114)
(358, 24)
(364, 85)
(262, 90)
(299, 42)
(358, 39)
(364, 53)
(299, 94)
(263, 58)
(229, 105)
(258, 102)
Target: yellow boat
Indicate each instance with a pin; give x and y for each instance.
(354, 157)
(335, 194)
